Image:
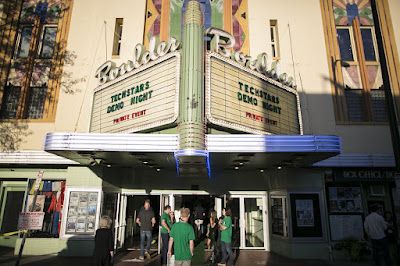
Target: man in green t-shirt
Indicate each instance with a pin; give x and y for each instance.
(226, 237)
(182, 237)
(165, 229)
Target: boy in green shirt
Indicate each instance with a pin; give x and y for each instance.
(226, 237)
(165, 229)
(182, 234)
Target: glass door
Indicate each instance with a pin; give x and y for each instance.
(120, 230)
(234, 205)
(250, 224)
(254, 222)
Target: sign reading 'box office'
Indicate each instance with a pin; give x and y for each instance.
(142, 99)
(244, 100)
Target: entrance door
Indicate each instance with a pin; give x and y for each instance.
(249, 217)
(121, 224)
(133, 205)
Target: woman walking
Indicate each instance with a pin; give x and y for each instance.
(104, 243)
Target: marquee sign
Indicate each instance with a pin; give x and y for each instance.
(144, 98)
(246, 100)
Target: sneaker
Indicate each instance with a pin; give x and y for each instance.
(221, 264)
(141, 258)
(147, 255)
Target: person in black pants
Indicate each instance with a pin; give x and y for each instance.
(104, 243)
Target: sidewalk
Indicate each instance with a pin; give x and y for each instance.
(244, 258)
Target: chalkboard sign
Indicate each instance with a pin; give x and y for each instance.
(306, 215)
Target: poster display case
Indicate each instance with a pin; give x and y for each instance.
(82, 212)
(306, 215)
(344, 199)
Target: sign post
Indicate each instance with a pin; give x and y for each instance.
(22, 224)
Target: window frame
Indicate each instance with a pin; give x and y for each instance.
(350, 29)
(41, 43)
(335, 71)
(31, 88)
(3, 103)
(274, 34)
(117, 38)
(375, 44)
(284, 215)
(13, 37)
(19, 42)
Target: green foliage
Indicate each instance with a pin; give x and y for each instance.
(356, 249)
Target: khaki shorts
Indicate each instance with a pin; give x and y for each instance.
(183, 262)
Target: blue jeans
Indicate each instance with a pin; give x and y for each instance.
(145, 236)
(227, 254)
(164, 249)
(380, 250)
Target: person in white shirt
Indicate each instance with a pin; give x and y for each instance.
(375, 227)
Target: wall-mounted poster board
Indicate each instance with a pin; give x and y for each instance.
(346, 226)
(82, 212)
(306, 215)
(344, 199)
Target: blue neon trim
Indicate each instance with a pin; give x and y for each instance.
(190, 152)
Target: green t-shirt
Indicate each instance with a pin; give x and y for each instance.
(182, 233)
(226, 235)
(167, 219)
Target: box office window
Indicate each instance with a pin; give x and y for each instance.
(279, 215)
(306, 215)
(50, 200)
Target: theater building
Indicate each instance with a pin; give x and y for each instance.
(274, 110)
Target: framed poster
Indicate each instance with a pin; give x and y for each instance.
(344, 199)
(306, 215)
(39, 203)
(344, 226)
(82, 212)
(304, 212)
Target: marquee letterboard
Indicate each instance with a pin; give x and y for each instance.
(244, 100)
(143, 99)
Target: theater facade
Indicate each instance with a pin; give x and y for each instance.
(189, 117)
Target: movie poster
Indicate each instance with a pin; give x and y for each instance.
(345, 199)
(304, 213)
(39, 203)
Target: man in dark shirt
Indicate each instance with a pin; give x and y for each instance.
(146, 221)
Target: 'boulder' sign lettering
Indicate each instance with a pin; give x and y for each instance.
(108, 71)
